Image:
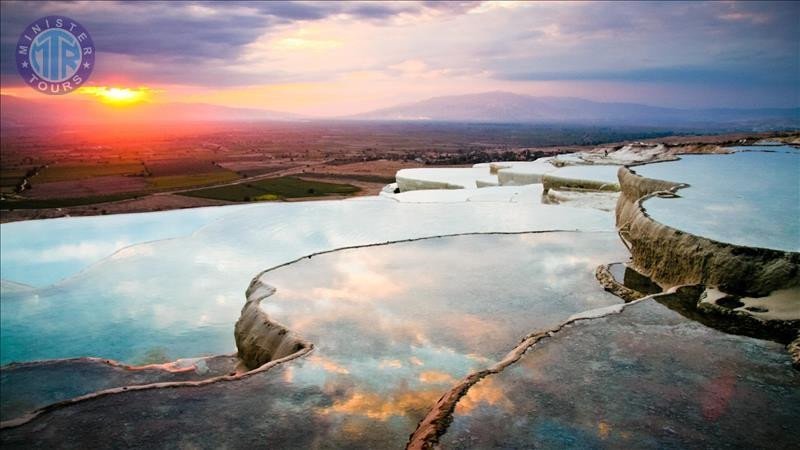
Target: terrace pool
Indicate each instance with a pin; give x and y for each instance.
(180, 297)
(393, 327)
(753, 199)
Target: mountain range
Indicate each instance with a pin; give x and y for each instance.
(506, 107)
(488, 107)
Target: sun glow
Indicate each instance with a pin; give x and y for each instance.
(118, 95)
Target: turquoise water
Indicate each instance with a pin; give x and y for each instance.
(180, 297)
(747, 198)
(41, 252)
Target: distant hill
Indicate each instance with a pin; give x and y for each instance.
(16, 112)
(489, 107)
(506, 107)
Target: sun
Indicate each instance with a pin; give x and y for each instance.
(122, 95)
(117, 95)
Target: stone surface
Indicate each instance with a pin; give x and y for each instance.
(645, 378)
(30, 386)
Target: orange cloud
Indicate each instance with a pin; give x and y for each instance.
(380, 407)
(487, 392)
(328, 365)
(436, 377)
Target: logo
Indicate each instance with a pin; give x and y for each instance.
(55, 55)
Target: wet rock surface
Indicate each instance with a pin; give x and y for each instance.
(260, 411)
(29, 386)
(259, 339)
(625, 282)
(645, 378)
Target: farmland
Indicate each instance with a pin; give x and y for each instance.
(77, 171)
(51, 172)
(272, 189)
(191, 180)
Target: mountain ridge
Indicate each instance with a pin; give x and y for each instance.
(484, 107)
(507, 107)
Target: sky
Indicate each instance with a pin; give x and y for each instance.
(334, 59)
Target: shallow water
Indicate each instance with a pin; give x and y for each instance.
(180, 297)
(41, 252)
(753, 198)
(473, 297)
(393, 327)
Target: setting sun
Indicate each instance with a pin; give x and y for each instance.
(118, 95)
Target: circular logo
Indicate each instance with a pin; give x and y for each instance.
(55, 55)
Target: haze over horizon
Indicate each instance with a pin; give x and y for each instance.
(341, 59)
(486, 107)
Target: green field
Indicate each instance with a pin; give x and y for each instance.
(273, 189)
(66, 172)
(187, 181)
(257, 191)
(64, 202)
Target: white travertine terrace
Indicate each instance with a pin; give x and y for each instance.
(567, 179)
(523, 173)
(439, 178)
(672, 257)
(495, 194)
(501, 173)
(629, 154)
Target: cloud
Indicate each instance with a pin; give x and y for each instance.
(186, 31)
(383, 51)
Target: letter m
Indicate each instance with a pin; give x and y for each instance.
(23, 50)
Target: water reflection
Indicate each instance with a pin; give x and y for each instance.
(385, 351)
(185, 294)
(434, 311)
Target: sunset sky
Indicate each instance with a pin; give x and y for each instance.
(333, 59)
